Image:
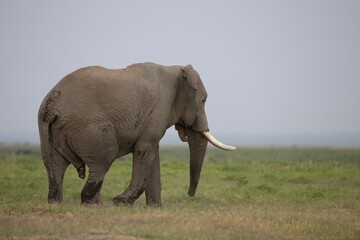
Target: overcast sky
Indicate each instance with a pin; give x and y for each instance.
(288, 67)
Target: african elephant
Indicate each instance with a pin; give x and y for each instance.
(95, 115)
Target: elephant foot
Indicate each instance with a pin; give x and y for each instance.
(81, 171)
(96, 201)
(91, 193)
(123, 201)
(55, 193)
(128, 197)
(154, 204)
(54, 200)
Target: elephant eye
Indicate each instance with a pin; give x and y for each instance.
(204, 100)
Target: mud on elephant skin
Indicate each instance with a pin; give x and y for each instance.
(95, 115)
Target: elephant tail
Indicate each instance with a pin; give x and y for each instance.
(46, 116)
(46, 148)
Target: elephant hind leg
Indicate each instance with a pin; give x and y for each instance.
(97, 149)
(56, 169)
(62, 145)
(91, 191)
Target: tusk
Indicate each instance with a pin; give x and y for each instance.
(216, 143)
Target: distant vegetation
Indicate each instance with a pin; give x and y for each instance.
(19, 150)
(252, 193)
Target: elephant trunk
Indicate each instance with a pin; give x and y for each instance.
(197, 146)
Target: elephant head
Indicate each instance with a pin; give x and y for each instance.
(193, 126)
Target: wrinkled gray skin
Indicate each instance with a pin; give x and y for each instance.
(95, 115)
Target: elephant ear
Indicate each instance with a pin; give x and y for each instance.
(191, 88)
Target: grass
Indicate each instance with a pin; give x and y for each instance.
(252, 193)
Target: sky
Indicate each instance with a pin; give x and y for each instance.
(269, 67)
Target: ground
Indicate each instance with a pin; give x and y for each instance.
(251, 193)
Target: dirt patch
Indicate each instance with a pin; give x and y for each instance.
(40, 210)
(83, 236)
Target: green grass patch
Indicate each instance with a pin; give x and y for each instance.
(268, 193)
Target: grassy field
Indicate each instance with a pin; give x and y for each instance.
(268, 193)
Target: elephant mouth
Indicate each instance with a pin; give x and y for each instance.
(183, 136)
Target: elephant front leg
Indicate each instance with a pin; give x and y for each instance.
(153, 186)
(144, 156)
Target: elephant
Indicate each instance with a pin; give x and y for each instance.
(95, 115)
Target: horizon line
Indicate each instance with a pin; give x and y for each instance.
(240, 139)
